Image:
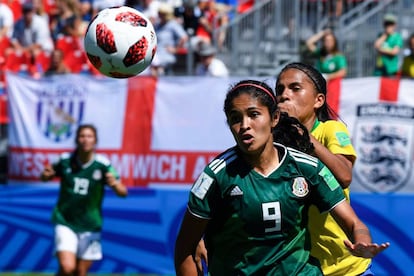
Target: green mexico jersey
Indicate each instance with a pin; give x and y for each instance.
(331, 63)
(258, 224)
(81, 192)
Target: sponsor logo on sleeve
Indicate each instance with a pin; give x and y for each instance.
(202, 185)
(330, 180)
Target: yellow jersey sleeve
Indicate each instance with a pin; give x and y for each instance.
(335, 136)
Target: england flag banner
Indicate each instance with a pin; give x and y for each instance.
(162, 132)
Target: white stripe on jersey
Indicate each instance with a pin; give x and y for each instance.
(303, 157)
(196, 215)
(65, 155)
(218, 164)
(102, 159)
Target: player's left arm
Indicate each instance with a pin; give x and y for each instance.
(115, 182)
(360, 243)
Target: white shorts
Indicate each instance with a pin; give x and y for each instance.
(85, 245)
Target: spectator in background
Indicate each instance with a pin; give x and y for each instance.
(98, 5)
(171, 38)
(213, 16)
(40, 10)
(85, 8)
(31, 33)
(209, 64)
(57, 66)
(407, 68)
(221, 19)
(330, 61)
(6, 31)
(189, 15)
(6, 21)
(148, 7)
(30, 41)
(202, 20)
(206, 22)
(388, 46)
(68, 19)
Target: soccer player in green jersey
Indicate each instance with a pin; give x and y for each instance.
(78, 213)
(251, 202)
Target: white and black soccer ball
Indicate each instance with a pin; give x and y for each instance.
(120, 42)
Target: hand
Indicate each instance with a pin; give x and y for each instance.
(288, 108)
(48, 173)
(111, 180)
(200, 255)
(366, 250)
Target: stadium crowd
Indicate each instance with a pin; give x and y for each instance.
(31, 32)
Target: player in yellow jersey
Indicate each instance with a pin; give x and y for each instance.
(301, 92)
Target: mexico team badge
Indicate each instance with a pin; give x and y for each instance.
(300, 187)
(383, 142)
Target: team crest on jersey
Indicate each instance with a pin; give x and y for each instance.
(300, 187)
(60, 109)
(97, 175)
(383, 142)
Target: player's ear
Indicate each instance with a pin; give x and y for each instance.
(319, 100)
(276, 117)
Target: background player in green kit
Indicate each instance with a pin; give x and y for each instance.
(78, 213)
(251, 201)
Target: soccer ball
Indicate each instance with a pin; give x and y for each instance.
(120, 42)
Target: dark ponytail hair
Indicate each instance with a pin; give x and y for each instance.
(291, 133)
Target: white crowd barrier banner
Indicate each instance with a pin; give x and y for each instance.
(164, 131)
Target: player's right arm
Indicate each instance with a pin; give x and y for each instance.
(191, 232)
(48, 173)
